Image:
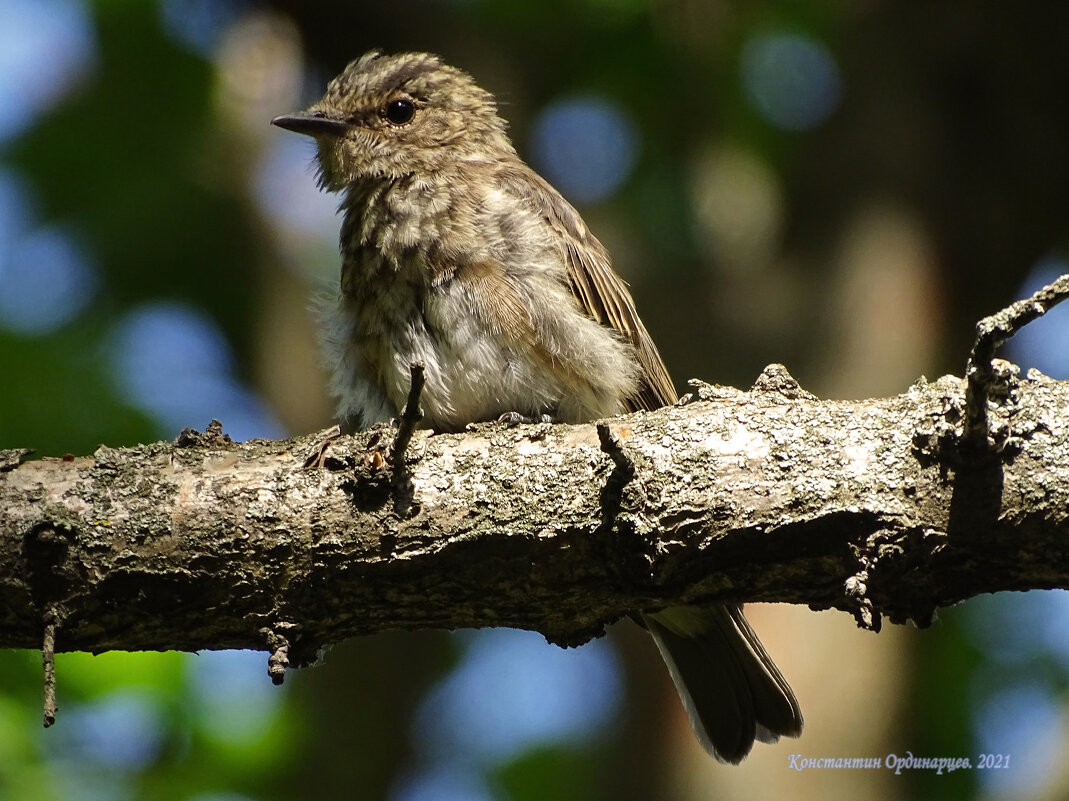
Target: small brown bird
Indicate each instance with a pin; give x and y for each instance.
(457, 254)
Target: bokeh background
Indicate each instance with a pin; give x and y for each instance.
(841, 187)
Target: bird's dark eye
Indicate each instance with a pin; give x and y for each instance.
(399, 111)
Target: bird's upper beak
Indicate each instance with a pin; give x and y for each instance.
(311, 123)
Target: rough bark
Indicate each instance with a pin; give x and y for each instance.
(879, 507)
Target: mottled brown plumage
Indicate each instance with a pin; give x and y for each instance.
(457, 254)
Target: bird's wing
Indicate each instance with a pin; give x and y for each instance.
(599, 290)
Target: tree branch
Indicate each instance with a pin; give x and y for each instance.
(767, 495)
(881, 507)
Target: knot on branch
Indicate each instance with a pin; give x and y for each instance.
(317, 453)
(775, 379)
(279, 659)
(888, 559)
(50, 572)
(856, 587)
(13, 457)
(774, 383)
(213, 435)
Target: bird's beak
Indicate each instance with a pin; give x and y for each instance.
(311, 123)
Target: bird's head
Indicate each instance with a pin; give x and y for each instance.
(391, 116)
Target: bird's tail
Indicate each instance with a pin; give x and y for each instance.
(731, 689)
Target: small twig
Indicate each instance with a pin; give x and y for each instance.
(410, 418)
(611, 446)
(991, 332)
(48, 657)
(406, 426)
